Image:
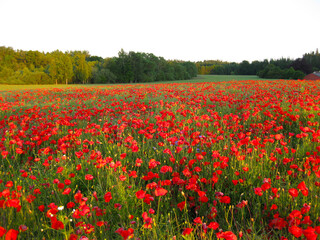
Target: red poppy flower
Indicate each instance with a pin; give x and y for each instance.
(2, 231)
(225, 199)
(41, 208)
(310, 233)
(67, 182)
(293, 192)
(265, 186)
(14, 203)
(273, 207)
(56, 224)
(78, 196)
(135, 148)
(70, 204)
(148, 198)
(213, 225)
(100, 223)
(107, 197)
(66, 191)
(9, 184)
(4, 154)
(278, 136)
(228, 235)
(187, 231)
(160, 192)
(12, 234)
(197, 220)
(140, 194)
(125, 234)
(203, 199)
(181, 205)
(73, 237)
(295, 231)
(303, 188)
(122, 178)
(88, 177)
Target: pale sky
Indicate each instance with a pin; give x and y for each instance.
(229, 30)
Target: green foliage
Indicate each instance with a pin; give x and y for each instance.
(300, 64)
(275, 68)
(5, 73)
(60, 67)
(313, 59)
(102, 75)
(244, 68)
(191, 68)
(34, 67)
(273, 72)
(81, 68)
(94, 59)
(137, 67)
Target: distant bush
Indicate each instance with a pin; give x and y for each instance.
(273, 72)
(25, 76)
(103, 75)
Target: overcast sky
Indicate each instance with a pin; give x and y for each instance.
(230, 30)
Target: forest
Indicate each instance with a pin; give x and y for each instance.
(283, 68)
(79, 67)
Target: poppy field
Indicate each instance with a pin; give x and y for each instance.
(220, 160)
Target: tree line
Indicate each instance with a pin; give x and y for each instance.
(34, 67)
(79, 67)
(135, 67)
(283, 68)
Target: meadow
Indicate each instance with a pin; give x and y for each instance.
(206, 159)
(198, 79)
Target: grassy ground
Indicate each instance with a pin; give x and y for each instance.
(199, 78)
(219, 78)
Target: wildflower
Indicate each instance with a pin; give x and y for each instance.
(181, 205)
(2, 231)
(228, 235)
(213, 225)
(293, 192)
(107, 197)
(187, 231)
(12, 234)
(88, 177)
(225, 199)
(160, 192)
